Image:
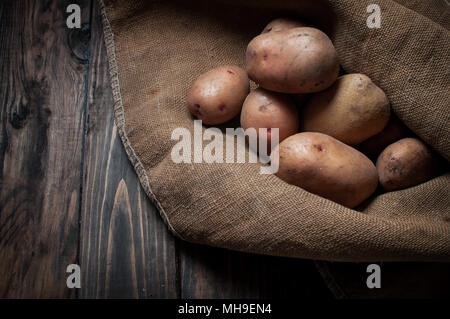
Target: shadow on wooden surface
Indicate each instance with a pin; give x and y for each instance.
(407, 280)
(208, 272)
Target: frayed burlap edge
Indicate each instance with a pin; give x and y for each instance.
(119, 116)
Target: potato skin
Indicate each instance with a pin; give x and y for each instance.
(297, 60)
(281, 24)
(352, 110)
(326, 167)
(266, 109)
(217, 95)
(405, 163)
(394, 131)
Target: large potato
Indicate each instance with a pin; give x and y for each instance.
(266, 109)
(394, 131)
(406, 163)
(327, 167)
(217, 95)
(351, 110)
(281, 24)
(297, 60)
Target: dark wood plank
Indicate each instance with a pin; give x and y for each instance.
(399, 280)
(208, 272)
(126, 250)
(42, 94)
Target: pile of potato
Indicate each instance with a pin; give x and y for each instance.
(340, 119)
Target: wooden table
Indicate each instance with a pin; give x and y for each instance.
(68, 194)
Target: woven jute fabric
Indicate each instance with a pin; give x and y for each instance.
(157, 49)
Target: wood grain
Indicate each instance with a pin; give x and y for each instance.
(208, 272)
(42, 97)
(126, 250)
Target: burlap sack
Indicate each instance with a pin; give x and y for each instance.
(157, 49)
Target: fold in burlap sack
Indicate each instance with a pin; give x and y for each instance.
(157, 49)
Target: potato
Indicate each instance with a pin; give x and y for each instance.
(217, 95)
(351, 110)
(266, 109)
(297, 60)
(406, 163)
(281, 24)
(394, 131)
(326, 167)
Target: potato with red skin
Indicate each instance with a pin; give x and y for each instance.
(322, 165)
(281, 24)
(217, 95)
(406, 163)
(394, 131)
(266, 109)
(297, 60)
(352, 110)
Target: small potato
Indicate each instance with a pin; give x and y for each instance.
(281, 24)
(266, 109)
(327, 167)
(217, 95)
(351, 110)
(406, 163)
(297, 60)
(394, 131)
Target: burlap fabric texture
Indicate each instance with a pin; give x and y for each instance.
(157, 49)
